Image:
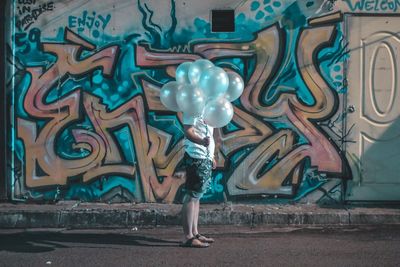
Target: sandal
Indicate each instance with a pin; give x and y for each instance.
(190, 244)
(204, 239)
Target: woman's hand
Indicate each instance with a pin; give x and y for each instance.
(190, 133)
(206, 141)
(214, 166)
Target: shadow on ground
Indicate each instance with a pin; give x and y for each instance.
(38, 242)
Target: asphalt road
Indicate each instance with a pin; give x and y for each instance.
(378, 246)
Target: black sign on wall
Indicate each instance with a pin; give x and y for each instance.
(223, 20)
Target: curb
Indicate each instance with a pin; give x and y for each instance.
(75, 215)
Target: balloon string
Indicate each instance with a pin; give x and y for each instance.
(208, 147)
(207, 135)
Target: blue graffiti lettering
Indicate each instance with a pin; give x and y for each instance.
(373, 5)
(24, 42)
(91, 22)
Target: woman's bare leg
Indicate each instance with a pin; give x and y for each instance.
(188, 213)
(196, 217)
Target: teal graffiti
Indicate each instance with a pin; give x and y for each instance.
(158, 37)
(266, 10)
(215, 190)
(332, 60)
(123, 85)
(94, 23)
(373, 5)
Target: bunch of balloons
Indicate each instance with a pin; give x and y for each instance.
(203, 89)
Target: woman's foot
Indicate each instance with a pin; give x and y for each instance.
(194, 243)
(205, 239)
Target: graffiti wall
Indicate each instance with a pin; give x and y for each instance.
(87, 123)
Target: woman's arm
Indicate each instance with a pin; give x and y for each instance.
(216, 139)
(192, 136)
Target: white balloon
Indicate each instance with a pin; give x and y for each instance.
(214, 82)
(191, 100)
(197, 68)
(181, 74)
(168, 95)
(218, 112)
(235, 88)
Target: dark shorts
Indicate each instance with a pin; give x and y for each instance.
(198, 176)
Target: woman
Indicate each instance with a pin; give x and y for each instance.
(199, 160)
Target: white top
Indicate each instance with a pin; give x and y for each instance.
(202, 130)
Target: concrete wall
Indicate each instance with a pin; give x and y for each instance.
(87, 123)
